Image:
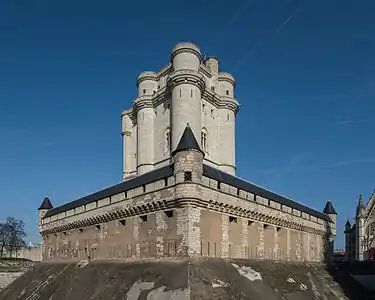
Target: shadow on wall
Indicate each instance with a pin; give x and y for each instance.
(356, 279)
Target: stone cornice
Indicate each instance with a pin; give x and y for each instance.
(126, 133)
(146, 76)
(223, 76)
(186, 76)
(144, 101)
(205, 71)
(119, 214)
(260, 217)
(229, 103)
(161, 205)
(186, 50)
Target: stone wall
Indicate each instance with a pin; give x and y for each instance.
(179, 232)
(174, 217)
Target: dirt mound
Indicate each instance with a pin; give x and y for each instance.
(178, 280)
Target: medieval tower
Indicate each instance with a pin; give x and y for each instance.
(188, 90)
(179, 195)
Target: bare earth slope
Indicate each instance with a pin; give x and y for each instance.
(179, 279)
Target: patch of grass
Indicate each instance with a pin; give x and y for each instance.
(16, 259)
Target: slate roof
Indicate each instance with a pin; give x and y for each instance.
(252, 188)
(187, 141)
(146, 178)
(167, 171)
(329, 209)
(46, 204)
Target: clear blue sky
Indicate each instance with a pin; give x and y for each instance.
(305, 79)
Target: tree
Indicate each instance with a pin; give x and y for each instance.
(4, 237)
(12, 234)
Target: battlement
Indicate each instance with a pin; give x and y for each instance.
(180, 196)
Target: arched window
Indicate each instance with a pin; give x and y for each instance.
(204, 140)
(167, 141)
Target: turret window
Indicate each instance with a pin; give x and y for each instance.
(204, 140)
(168, 144)
(187, 176)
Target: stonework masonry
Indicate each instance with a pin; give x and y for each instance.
(180, 196)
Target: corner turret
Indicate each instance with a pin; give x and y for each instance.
(188, 158)
(331, 230)
(188, 174)
(43, 208)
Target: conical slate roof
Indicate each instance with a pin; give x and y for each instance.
(329, 209)
(46, 204)
(187, 141)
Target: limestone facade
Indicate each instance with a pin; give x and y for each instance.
(187, 90)
(185, 202)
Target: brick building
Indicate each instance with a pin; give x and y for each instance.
(180, 195)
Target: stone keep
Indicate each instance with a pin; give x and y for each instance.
(186, 91)
(180, 195)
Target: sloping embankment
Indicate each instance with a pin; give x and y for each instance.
(178, 280)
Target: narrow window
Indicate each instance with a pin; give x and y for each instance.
(144, 188)
(227, 92)
(232, 219)
(218, 185)
(180, 93)
(122, 222)
(203, 106)
(169, 213)
(204, 141)
(238, 192)
(191, 93)
(144, 91)
(228, 117)
(208, 248)
(126, 194)
(187, 176)
(212, 112)
(165, 181)
(168, 106)
(144, 218)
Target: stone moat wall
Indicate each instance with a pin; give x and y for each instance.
(180, 216)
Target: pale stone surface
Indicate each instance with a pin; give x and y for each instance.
(173, 216)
